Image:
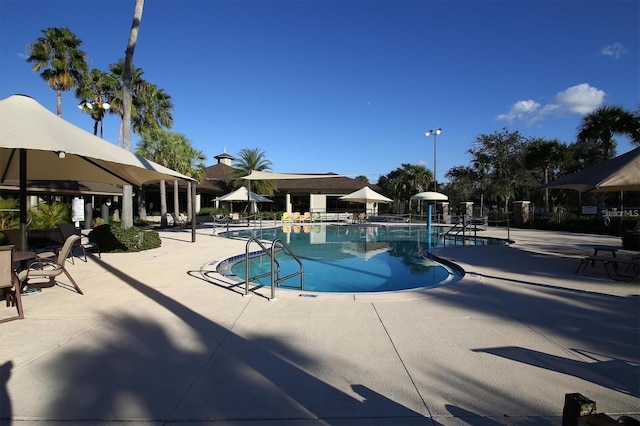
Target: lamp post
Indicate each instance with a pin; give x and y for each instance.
(97, 111)
(435, 134)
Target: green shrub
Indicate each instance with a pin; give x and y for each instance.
(47, 216)
(631, 239)
(9, 213)
(212, 211)
(114, 238)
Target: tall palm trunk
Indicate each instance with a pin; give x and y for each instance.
(59, 102)
(163, 205)
(176, 200)
(127, 190)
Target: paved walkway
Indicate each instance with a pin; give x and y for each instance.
(160, 338)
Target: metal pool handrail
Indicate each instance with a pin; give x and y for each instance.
(274, 271)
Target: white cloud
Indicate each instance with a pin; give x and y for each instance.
(525, 111)
(580, 99)
(614, 50)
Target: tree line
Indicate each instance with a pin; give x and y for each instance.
(507, 166)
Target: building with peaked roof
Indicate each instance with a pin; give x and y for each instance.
(320, 194)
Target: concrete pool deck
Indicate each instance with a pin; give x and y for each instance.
(160, 338)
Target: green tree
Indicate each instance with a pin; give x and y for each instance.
(404, 182)
(362, 178)
(127, 190)
(192, 164)
(58, 56)
(150, 106)
(161, 146)
(546, 157)
(252, 159)
(604, 123)
(498, 161)
(94, 90)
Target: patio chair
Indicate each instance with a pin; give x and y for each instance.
(296, 217)
(306, 217)
(286, 217)
(46, 268)
(69, 229)
(9, 285)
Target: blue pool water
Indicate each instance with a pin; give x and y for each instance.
(352, 259)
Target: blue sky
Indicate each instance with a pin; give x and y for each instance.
(350, 86)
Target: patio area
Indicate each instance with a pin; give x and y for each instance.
(160, 338)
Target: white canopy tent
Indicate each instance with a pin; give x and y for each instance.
(366, 195)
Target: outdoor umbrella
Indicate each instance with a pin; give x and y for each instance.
(621, 173)
(430, 196)
(366, 195)
(243, 194)
(36, 144)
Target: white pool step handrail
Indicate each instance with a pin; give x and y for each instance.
(274, 270)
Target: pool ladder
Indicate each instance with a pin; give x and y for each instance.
(274, 272)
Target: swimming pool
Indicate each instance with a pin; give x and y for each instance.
(352, 259)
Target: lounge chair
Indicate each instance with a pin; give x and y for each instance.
(306, 217)
(9, 285)
(286, 217)
(317, 217)
(46, 268)
(296, 217)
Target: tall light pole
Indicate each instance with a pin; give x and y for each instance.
(435, 137)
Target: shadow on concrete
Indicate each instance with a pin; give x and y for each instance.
(141, 370)
(615, 374)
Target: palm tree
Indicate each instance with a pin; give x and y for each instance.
(247, 160)
(127, 190)
(150, 105)
(252, 159)
(60, 59)
(548, 155)
(605, 122)
(158, 145)
(93, 91)
(173, 150)
(192, 164)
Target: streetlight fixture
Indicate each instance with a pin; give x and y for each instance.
(435, 137)
(97, 111)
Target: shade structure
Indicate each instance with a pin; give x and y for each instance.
(260, 175)
(58, 150)
(243, 194)
(36, 144)
(621, 173)
(366, 195)
(430, 196)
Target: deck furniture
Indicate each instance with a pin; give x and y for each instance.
(47, 268)
(69, 229)
(9, 285)
(612, 265)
